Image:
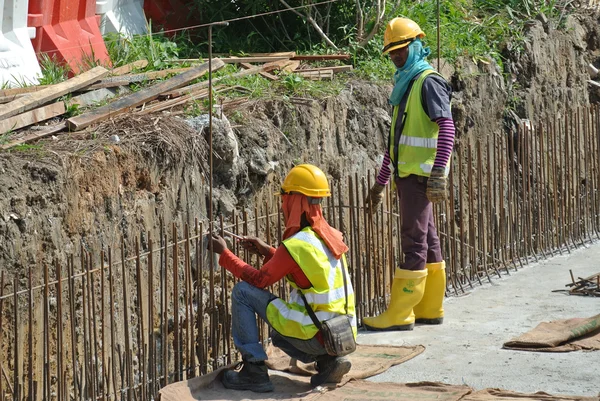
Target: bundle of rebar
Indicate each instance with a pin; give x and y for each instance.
(589, 286)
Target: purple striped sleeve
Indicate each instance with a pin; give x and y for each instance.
(445, 141)
(385, 172)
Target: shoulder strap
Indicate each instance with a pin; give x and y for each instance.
(402, 117)
(311, 313)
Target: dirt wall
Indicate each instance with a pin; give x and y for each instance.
(90, 189)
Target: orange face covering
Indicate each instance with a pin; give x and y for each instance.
(293, 207)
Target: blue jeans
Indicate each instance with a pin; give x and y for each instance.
(248, 301)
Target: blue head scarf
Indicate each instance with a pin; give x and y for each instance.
(415, 64)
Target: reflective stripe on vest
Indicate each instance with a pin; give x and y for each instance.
(326, 296)
(418, 141)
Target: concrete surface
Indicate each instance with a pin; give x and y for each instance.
(467, 348)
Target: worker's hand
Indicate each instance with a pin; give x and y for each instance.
(374, 198)
(218, 243)
(436, 185)
(255, 245)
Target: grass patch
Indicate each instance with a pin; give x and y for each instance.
(159, 50)
(53, 71)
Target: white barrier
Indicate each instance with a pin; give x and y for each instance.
(18, 62)
(124, 16)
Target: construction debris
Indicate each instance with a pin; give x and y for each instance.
(24, 107)
(36, 99)
(589, 286)
(138, 98)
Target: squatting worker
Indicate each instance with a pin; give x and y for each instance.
(418, 155)
(310, 258)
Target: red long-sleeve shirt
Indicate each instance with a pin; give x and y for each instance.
(277, 264)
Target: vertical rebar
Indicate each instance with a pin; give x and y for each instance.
(30, 337)
(47, 383)
(176, 354)
(46, 332)
(113, 329)
(103, 328)
(481, 210)
(59, 331)
(190, 306)
(140, 318)
(200, 298)
(127, 331)
(72, 317)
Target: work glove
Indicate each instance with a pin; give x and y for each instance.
(374, 198)
(436, 185)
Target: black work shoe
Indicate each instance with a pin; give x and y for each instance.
(252, 376)
(330, 369)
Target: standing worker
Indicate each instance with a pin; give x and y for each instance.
(418, 154)
(312, 260)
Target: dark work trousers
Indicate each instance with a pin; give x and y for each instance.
(420, 242)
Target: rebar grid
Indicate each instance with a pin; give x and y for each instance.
(122, 323)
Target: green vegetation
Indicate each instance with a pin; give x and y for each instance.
(25, 147)
(479, 29)
(53, 71)
(156, 48)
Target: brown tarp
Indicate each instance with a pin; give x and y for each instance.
(495, 394)
(297, 388)
(367, 360)
(362, 390)
(560, 336)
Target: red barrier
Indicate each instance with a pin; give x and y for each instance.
(68, 29)
(169, 14)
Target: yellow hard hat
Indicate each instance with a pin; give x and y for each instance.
(399, 33)
(308, 180)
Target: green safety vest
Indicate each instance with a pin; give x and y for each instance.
(326, 296)
(417, 145)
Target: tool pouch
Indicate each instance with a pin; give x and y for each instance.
(338, 337)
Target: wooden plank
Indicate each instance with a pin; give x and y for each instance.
(291, 66)
(201, 85)
(35, 136)
(33, 100)
(135, 99)
(316, 75)
(276, 65)
(7, 99)
(335, 69)
(127, 68)
(32, 117)
(237, 60)
(125, 80)
(319, 57)
(275, 54)
(178, 101)
(174, 102)
(22, 91)
(264, 74)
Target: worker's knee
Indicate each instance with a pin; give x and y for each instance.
(240, 290)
